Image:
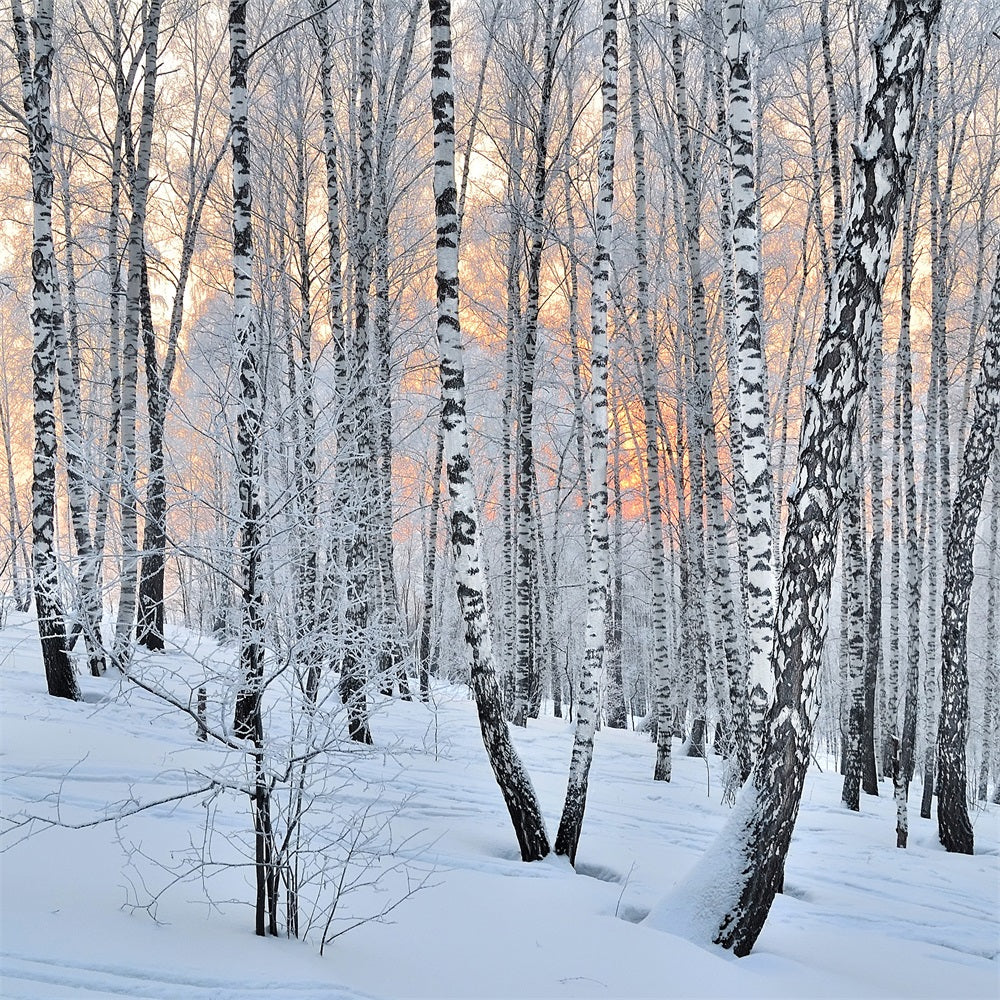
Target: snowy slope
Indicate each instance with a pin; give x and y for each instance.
(858, 919)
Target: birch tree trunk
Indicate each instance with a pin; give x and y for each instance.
(135, 251)
(873, 649)
(430, 562)
(852, 582)
(515, 785)
(525, 569)
(954, 827)
(990, 743)
(729, 894)
(67, 344)
(36, 81)
(568, 837)
(908, 742)
(650, 414)
(739, 22)
(247, 722)
(355, 445)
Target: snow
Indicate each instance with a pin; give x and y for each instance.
(859, 918)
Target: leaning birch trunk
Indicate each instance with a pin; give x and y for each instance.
(739, 22)
(515, 785)
(135, 251)
(954, 828)
(729, 894)
(36, 82)
(650, 397)
(568, 837)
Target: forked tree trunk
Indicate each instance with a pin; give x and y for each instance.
(954, 827)
(515, 785)
(730, 892)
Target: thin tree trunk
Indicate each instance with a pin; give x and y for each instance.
(513, 780)
(650, 397)
(853, 641)
(908, 742)
(247, 721)
(568, 837)
(130, 346)
(991, 717)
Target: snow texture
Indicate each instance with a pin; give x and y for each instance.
(858, 918)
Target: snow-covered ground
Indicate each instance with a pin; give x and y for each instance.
(859, 918)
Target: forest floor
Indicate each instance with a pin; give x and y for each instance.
(158, 905)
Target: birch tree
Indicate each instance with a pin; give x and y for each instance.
(739, 23)
(650, 413)
(568, 837)
(515, 785)
(136, 252)
(729, 894)
(954, 827)
(34, 63)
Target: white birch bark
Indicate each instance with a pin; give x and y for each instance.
(35, 68)
(247, 722)
(513, 780)
(853, 638)
(525, 569)
(739, 23)
(568, 837)
(650, 397)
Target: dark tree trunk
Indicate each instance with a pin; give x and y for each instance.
(761, 826)
(954, 827)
